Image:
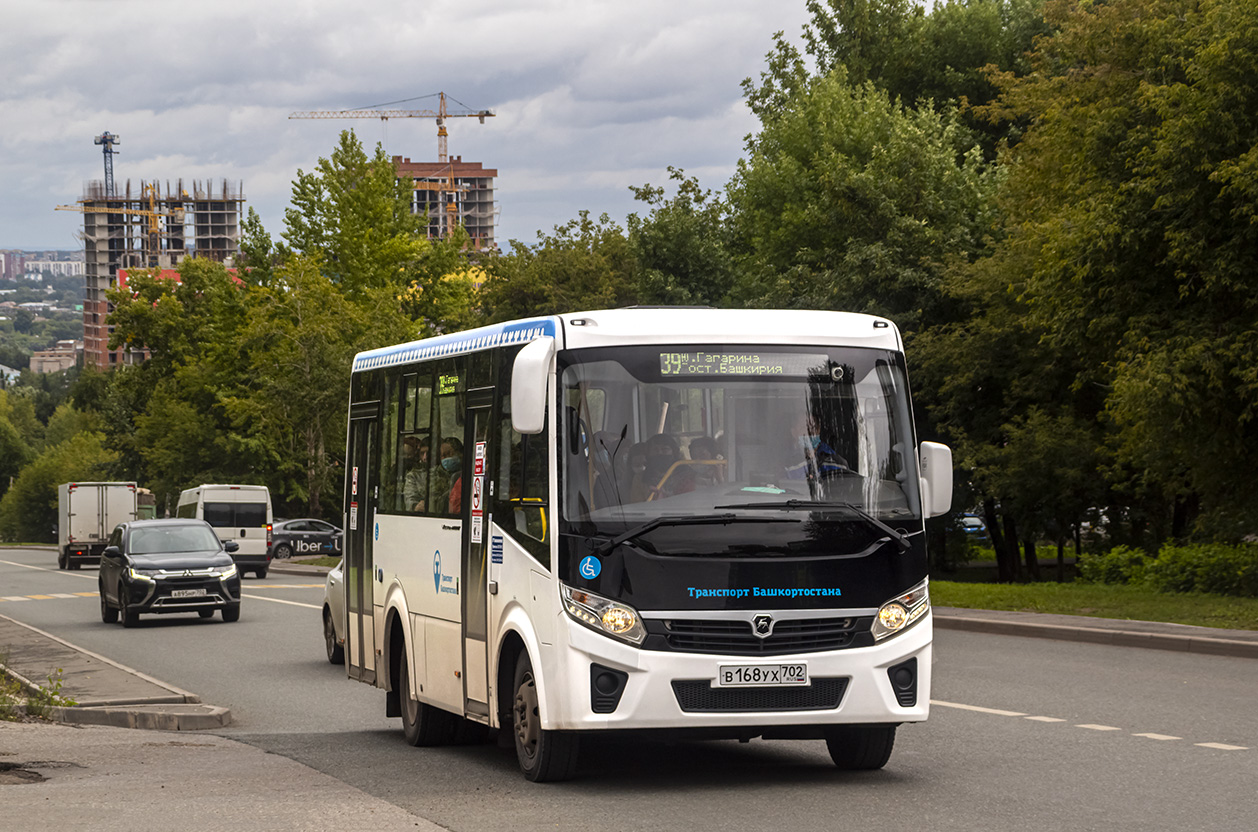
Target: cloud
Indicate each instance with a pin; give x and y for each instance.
(590, 96)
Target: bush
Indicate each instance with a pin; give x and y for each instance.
(1123, 565)
(1216, 568)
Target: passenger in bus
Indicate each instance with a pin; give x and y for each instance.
(415, 486)
(634, 484)
(704, 449)
(452, 464)
(662, 450)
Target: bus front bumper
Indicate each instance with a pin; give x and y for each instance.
(676, 690)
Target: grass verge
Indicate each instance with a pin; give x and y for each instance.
(1102, 601)
(323, 561)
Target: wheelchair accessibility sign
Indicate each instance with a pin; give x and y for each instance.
(590, 567)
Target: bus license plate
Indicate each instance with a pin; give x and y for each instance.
(186, 593)
(762, 675)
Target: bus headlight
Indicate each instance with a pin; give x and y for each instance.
(898, 614)
(603, 614)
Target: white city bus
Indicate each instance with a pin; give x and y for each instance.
(697, 522)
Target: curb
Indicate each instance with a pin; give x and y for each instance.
(1092, 635)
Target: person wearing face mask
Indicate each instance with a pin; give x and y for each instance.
(808, 455)
(452, 464)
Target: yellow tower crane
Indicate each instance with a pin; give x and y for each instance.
(152, 239)
(440, 114)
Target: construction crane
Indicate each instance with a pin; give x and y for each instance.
(152, 239)
(440, 114)
(107, 141)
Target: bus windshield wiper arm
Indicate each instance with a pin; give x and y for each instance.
(667, 520)
(900, 538)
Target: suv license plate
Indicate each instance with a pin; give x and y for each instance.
(762, 675)
(186, 593)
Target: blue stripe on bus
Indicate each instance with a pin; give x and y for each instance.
(457, 343)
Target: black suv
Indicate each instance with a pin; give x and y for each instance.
(161, 566)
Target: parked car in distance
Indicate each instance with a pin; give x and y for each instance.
(973, 525)
(304, 536)
(334, 614)
(166, 566)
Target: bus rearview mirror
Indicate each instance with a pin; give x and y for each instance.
(935, 465)
(530, 377)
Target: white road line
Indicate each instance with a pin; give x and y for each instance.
(282, 601)
(959, 706)
(1045, 719)
(61, 595)
(1220, 746)
(1157, 736)
(14, 598)
(1091, 727)
(67, 573)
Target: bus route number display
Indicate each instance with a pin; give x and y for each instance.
(739, 364)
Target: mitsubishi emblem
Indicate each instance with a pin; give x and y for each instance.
(762, 626)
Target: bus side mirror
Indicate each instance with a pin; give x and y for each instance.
(530, 376)
(935, 464)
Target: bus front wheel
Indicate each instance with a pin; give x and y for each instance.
(860, 747)
(545, 756)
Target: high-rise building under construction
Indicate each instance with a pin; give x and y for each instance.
(148, 228)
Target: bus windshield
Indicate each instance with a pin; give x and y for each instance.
(651, 432)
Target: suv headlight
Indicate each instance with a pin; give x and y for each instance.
(900, 613)
(226, 572)
(139, 574)
(603, 614)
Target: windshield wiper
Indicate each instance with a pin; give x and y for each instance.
(900, 538)
(670, 520)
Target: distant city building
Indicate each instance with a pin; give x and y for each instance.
(9, 374)
(150, 228)
(55, 267)
(63, 356)
(452, 193)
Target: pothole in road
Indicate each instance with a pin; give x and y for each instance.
(12, 774)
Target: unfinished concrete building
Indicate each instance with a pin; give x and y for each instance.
(451, 193)
(148, 228)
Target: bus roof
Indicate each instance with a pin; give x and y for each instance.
(653, 325)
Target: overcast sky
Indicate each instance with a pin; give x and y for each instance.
(590, 96)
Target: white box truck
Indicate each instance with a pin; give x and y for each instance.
(86, 515)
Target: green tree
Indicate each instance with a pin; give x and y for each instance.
(28, 511)
(300, 342)
(585, 264)
(1130, 207)
(14, 453)
(847, 200)
(353, 214)
(681, 247)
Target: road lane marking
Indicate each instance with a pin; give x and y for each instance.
(15, 598)
(959, 706)
(40, 597)
(282, 601)
(1090, 726)
(287, 586)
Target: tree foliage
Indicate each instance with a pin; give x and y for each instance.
(28, 511)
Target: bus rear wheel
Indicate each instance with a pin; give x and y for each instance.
(422, 724)
(860, 747)
(544, 756)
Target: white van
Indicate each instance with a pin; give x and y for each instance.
(240, 513)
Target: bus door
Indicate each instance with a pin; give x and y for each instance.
(361, 493)
(475, 516)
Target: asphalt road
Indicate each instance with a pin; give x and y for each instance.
(1024, 733)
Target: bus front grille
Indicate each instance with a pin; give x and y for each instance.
(736, 638)
(699, 695)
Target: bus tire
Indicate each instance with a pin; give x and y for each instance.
(860, 747)
(424, 725)
(544, 756)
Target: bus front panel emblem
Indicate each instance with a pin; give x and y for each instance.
(762, 626)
